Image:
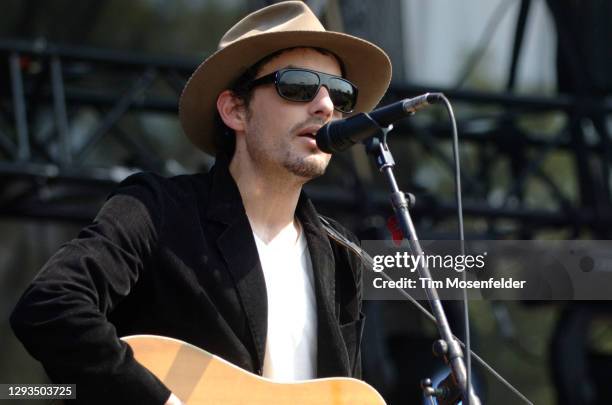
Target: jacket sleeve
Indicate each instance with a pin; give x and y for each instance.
(61, 319)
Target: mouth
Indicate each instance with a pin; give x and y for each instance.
(310, 132)
(310, 140)
(308, 135)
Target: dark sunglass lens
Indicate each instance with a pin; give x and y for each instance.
(342, 94)
(298, 85)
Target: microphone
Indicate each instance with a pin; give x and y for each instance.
(339, 135)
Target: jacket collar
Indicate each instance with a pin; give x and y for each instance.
(225, 206)
(224, 203)
(237, 247)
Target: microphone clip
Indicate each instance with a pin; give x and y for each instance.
(376, 145)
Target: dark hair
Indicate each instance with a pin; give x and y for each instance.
(224, 136)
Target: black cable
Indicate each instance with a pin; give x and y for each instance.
(367, 259)
(466, 313)
(370, 263)
(430, 316)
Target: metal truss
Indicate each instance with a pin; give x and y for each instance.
(61, 108)
(45, 154)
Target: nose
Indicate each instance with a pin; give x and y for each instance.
(322, 104)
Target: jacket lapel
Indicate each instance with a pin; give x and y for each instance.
(225, 206)
(237, 247)
(332, 357)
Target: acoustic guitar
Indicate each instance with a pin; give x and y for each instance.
(200, 378)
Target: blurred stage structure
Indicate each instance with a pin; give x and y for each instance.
(45, 158)
(74, 121)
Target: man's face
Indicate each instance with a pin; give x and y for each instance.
(278, 132)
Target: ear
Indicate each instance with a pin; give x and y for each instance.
(232, 110)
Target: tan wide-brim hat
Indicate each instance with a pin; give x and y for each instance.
(280, 26)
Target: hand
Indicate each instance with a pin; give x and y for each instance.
(173, 400)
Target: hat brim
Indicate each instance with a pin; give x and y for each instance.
(365, 64)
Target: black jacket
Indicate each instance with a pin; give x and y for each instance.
(175, 257)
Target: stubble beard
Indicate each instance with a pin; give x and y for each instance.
(307, 167)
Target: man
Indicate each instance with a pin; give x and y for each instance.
(235, 261)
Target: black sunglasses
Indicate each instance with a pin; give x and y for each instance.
(303, 85)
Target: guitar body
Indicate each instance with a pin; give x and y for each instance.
(200, 378)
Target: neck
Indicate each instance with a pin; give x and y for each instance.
(269, 197)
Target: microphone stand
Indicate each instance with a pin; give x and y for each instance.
(455, 387)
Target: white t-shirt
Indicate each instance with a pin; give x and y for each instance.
(291, 342)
